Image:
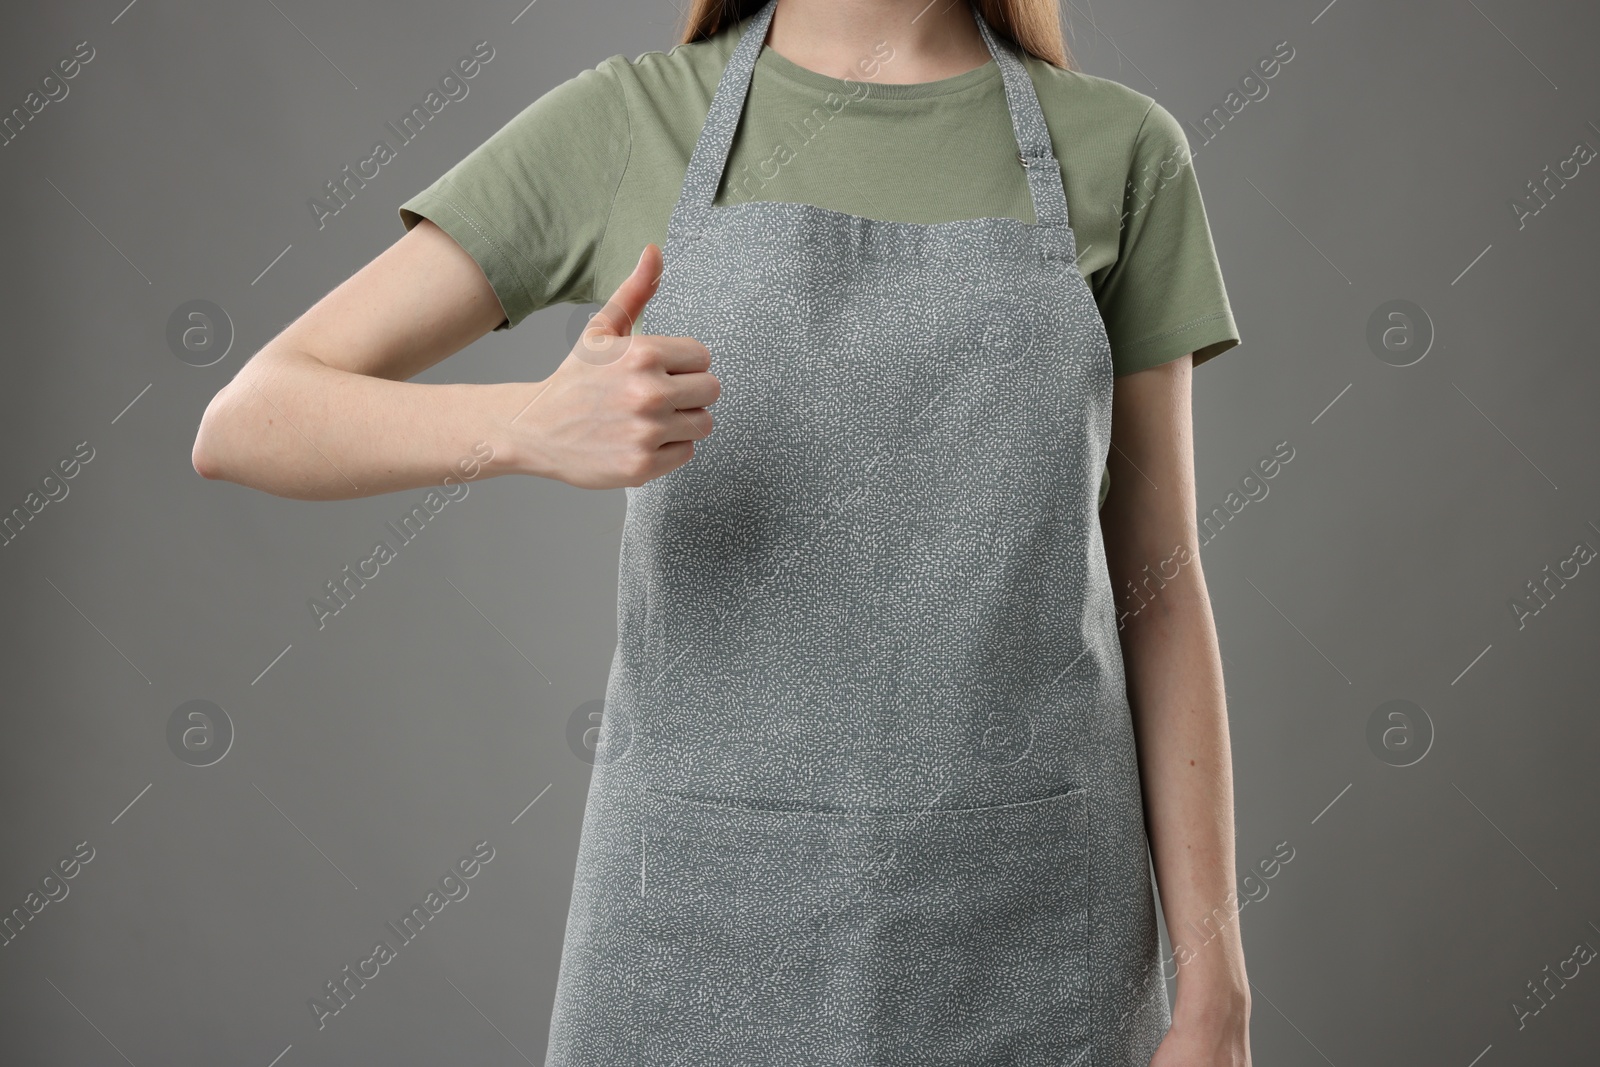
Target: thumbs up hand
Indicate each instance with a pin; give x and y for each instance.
(623, 408)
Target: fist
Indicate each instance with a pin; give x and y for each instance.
(624, 408)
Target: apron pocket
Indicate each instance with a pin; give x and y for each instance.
(940, 937)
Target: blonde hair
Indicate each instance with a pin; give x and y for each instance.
(1033, 25)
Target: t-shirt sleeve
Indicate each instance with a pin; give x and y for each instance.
(1163, 296)
(531, 204)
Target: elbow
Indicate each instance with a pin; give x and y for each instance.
(208, 454)
(202, 461)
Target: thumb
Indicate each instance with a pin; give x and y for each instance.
(616, 319)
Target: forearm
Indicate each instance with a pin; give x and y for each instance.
(292, 426)
(1174, 676)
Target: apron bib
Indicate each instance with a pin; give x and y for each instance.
(865, 790)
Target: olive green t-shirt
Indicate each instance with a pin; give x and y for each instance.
(557, 204)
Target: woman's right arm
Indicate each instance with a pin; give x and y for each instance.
(324, 411)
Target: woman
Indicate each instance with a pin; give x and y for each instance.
(881, 755)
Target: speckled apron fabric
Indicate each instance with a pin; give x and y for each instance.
(865, 790)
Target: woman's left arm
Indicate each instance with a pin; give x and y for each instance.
(1174, 679)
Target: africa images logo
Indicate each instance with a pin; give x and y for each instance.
(452, 887)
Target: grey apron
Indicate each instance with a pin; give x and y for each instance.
(865, 789)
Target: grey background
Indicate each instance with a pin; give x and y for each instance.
(435, 711)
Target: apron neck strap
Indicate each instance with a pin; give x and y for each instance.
(710, 156)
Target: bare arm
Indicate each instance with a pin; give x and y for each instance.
(323, 411)
(1174, 674)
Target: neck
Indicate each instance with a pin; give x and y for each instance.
(886, 41)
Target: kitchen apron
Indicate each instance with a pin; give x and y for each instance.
(865, 788)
